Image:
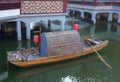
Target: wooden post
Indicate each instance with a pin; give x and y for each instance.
(72, 19)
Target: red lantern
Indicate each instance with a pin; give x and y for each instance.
(75, 26)
(36, 39)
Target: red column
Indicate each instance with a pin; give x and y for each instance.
(83, 2)
(65, 5)
(112, 2)
(95, 2)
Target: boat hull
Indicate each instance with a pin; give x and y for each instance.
(53, 59)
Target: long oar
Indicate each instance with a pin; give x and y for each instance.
(100, 57)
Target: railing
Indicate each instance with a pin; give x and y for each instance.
(98, 3)
(9, 4)
(117, 8)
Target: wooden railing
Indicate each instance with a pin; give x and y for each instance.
(117, 8)
(98, 3)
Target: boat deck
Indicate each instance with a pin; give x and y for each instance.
(31, 57)
(23, 56)
(33, 53)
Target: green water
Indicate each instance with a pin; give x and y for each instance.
(83, 69)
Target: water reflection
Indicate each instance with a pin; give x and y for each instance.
(92, 30)
(28, 44)
(111, 28)
(115, 29)
(19, 44)
(59, 72)
(3, 75)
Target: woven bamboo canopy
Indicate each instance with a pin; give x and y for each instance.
(60, 43)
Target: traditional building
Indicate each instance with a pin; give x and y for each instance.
(29, 11)
(95, 8)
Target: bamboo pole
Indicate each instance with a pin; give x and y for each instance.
(100, 57)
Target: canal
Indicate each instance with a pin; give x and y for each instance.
(84, 69)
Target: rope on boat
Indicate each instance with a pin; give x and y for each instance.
(100, 57)
(35, 50)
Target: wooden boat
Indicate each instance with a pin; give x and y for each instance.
(31, 57)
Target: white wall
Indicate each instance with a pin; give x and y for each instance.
(8, 13)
